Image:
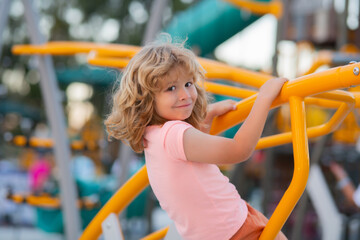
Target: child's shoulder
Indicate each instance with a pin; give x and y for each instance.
(167, 126)
(174, 122)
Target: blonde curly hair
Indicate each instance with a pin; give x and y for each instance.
(133, 107)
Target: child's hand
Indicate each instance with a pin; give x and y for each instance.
(220, 108)
(217, 109)
(271, 88)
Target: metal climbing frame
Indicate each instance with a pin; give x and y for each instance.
(322, 87)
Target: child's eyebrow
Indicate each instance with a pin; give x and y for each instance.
(170, 83)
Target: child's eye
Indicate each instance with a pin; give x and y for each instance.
(188, 84)
(172, 88)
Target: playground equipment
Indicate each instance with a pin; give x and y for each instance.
(211, 22)
(332, 58)
(274, 7)
(321, 86)
(48, 201)
(49, 143)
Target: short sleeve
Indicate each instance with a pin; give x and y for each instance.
(173, 138)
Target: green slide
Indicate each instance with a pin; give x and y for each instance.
(209, 23)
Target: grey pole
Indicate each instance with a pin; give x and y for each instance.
(55, 115)
(342, 31)
(4, 15)
(154, 24)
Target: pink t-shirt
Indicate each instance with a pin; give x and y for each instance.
(197, 196)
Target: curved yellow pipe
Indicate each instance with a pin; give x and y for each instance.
(71, 48)
(160, 234)
(326, 128)
(301, 170)
(46, 201)
(274, 7)
(331, 79)
(135, 185)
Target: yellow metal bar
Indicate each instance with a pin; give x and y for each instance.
(46, 201)
(71, 48)
(227, 90)
(217, 70)
(323, 58)
(214, 69)
(43, 201)
(135, 185)
(325, 103)
(117, 55)
(48, 143)
(301, 170)
(330, 126)
(160, 234)
(108, 61)
(331, 79)
(274, 7)
(357, 97)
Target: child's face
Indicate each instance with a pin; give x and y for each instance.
(177, 96)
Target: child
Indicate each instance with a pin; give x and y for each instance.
(160, 109)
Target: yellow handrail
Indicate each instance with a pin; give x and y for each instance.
(214, 69)
(301, 170)
(22, 141)
(71, 48)
(334, 78)
(331, 58)
(160, 234)
(46, 201)
(118, 55)
(274, 7)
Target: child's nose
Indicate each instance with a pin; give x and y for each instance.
(184, 94)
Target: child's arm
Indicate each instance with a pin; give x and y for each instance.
(201, 147)
(215, 110)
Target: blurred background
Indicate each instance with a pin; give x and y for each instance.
(301, 37)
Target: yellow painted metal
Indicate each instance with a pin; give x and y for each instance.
(22, 141)
(214, 69)
(104, 61)
(357, 98)
(136, 184)
(301, 170)
(117, 55)
(71, 48)
(46, 201)
(160, 234)
(324, 58)
(331, 79)
(227, 90)
(274, 7)
(42, 201)
(326, 128)
(325, 103)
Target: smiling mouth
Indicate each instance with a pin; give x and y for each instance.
(184, 106)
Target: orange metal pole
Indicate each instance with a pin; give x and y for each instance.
(71, 48)
(160, 234)
(330, 126)
(301, 170)
(334, 78)
(274, 7)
